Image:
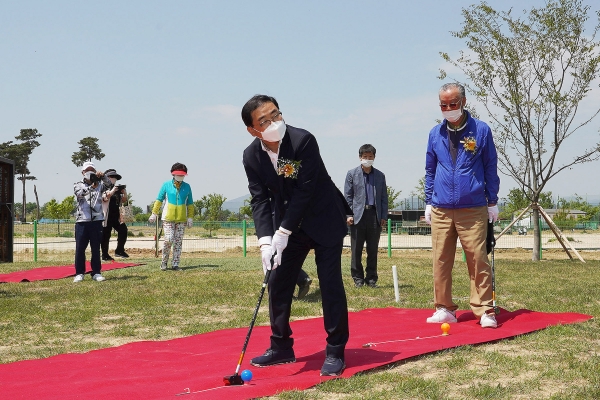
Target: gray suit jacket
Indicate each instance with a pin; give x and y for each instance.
(354, 192)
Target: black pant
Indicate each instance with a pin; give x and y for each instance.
(88, 233)
(283, 282)
(368, 229)
(113, 223)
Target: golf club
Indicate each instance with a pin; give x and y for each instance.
(492, 243)
(236, 379)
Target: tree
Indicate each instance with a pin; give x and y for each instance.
(88, 150)
(531, 74)
(62, 210)
(20, 153)
(392, 196)
(212, 205)
(577, 204)
(246, 209)
(419, 191)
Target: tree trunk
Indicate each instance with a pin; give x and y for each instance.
(537, 235)
(24, 215)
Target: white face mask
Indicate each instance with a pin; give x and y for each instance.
(274, 132)
(113, 180)
(366, 163)
(178, 178)
(453, 115)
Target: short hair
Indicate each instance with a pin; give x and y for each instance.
(366, 148)
(179, 167)
(453, 85)
(256, 101)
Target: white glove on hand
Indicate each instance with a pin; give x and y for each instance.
(428, 214)
(280, 241)
(190, 222)
(152, 218)
(265, 254)
(493, 213)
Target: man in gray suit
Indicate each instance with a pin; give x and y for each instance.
(366, 193)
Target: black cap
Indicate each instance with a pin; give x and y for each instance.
(111, 173)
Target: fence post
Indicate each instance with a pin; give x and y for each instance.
(35, 226)
(244, 234)
(389, 230)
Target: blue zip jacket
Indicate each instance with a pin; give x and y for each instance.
(473, 180)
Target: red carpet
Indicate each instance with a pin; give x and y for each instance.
(197, 364)
(63, 271)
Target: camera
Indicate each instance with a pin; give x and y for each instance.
(120, 187)
(90, 178)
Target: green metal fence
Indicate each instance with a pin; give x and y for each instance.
(45, 241)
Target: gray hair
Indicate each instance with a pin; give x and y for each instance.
(453, 85)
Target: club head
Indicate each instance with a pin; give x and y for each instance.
(233, 380)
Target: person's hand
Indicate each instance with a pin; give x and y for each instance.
(152, 218)
(428, 214)
(265, 254)
(280, 241)
(190, 222)
(493, 213)
(350, 220)
(99, 174)
(383, 223)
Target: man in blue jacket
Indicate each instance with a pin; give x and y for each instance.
(461, 192)
(366, 193)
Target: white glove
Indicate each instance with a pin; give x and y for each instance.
(265, 254)
(493, 213)
(428, 214)
(152, 218)
(279, 243)
(190, 222)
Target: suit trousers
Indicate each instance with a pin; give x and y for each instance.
(114, 223)
(88, 233)
(368, 230)
(281, 289)
(470, 226)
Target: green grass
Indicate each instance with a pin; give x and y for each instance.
(41, 319)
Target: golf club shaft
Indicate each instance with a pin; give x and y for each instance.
(260, 297)
(493, 282)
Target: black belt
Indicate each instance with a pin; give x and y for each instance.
(369, 207)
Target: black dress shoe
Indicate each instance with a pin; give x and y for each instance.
(304, 288)
(107, 258)
(359, 283)
(333, 366)
(372, 284)
(121, 254)
(274, 357)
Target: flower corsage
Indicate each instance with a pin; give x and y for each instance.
(469, 144)
(288, 168)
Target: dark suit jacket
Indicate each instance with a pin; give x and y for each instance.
(354, 191)
(310, 202)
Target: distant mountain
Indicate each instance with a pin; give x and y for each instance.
(235, 204)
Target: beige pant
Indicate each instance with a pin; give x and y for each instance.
(470, 226)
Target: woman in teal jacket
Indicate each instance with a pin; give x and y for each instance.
(178, 211)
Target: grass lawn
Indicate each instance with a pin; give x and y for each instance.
(41, 319)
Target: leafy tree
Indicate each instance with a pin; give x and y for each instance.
(62, 210)
(577, 204)
(88, 150)
(246, 209)
(392, 196)
(517, 200)
(212, 205)
(531, 73)
(20, 154)
(419, 190)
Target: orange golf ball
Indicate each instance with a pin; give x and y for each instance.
(445, 328)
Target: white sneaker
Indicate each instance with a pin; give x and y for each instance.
(78, 278)
(488, 321)
(442, 315)
(98, 278)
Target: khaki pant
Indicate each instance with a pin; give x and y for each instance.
(470, 226)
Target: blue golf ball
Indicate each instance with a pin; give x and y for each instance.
(246, 375)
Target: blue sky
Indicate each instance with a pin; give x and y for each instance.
(160, 82)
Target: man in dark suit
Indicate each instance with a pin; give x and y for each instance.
(366, 193)
(296, 208)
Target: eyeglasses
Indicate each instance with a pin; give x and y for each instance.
(451, 106)
(275, 118)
